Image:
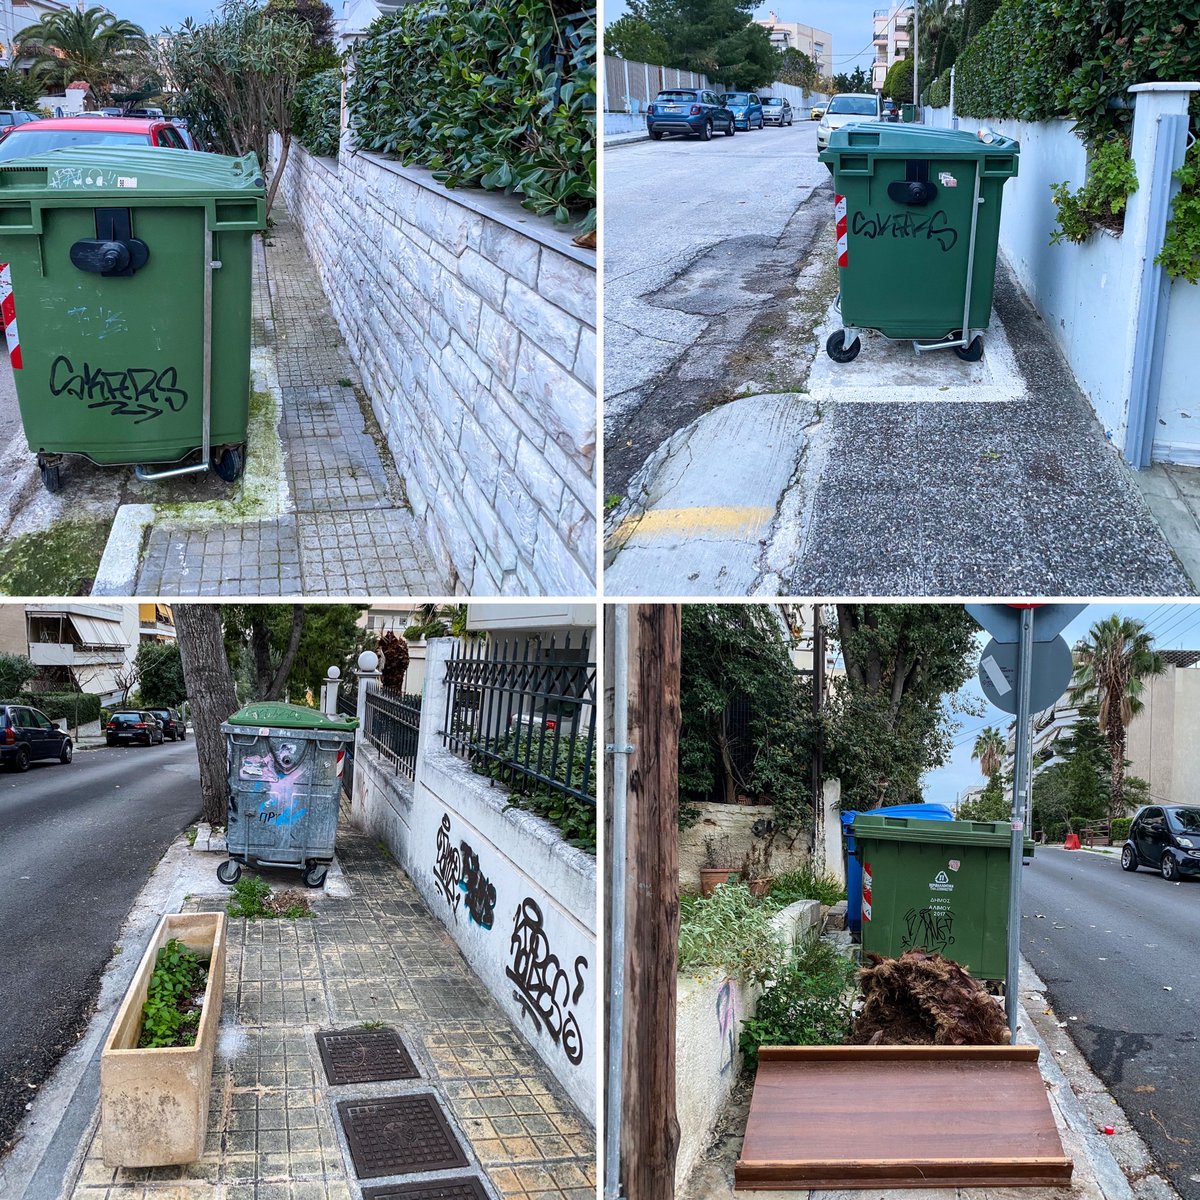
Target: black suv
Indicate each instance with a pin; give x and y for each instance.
(26, 734)
(172, 722)
(133, 725)
(1165, 837)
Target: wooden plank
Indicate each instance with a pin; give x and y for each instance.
(900, 1116)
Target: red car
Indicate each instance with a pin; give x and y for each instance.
(36, 137)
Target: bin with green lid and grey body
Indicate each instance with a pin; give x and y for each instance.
(285, 781)
(938, 886)
(127, 305)
(917, 216)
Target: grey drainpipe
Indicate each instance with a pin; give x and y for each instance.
(620, 749)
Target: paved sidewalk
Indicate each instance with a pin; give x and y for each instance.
(344, 526)
(378, 959)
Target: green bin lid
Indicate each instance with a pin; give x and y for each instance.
(916, 141)
(878, 826)
(130, 173)
(277, 715)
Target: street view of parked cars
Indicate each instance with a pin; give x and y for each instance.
(1165, 838)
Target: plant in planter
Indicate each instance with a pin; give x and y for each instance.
(157, 1062)
(718, 865)
(756, 867)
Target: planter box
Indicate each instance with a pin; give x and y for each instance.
(154, 1103)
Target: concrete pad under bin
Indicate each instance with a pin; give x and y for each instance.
(154, 1103)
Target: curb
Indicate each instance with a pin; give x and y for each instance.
(118, 570)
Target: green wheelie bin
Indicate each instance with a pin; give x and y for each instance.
(126, 297)
(938, 886)
(918, 224)
(285, 783)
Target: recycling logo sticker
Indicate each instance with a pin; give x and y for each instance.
(941, 883)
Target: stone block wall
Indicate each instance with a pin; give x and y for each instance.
(473, 323)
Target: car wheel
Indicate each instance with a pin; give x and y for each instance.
(731, 130)
(1129, 860)
(656, 135)
(68, 752)
(21, 759)
(706, 132)
(1169, 868)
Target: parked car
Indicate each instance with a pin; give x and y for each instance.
(777, 111)
(746, 107)
(133, 725)
(891, 111)
(172, 722)
(36, 137)
(695, 112)
(9, 118)
(842, 110)
(817, 112)
(1165, 837)
(27, 734)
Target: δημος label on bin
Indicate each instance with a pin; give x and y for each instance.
(126, 181)
(946, 179)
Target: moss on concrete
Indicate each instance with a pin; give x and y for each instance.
(59, 561)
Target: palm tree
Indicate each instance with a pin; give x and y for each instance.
(85, 44)
(1112, 662)
(989, 749)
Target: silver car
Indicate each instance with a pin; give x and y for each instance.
(777, 111)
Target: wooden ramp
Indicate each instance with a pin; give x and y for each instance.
(901, 1117)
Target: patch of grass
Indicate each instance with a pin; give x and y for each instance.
(806, 883)
(612, 502)
(191, 835)
(253, 898)
(371, 1025)
(345, 383)
(60, 561)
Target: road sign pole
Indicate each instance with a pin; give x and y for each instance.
(1022, 767)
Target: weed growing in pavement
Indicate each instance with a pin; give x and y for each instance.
(171, 1014)
(371, 1025)
(253, 898)
(345, 383)
(612, 502)
(191, 835)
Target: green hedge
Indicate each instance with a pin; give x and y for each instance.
(500, 96)
(939, 91)
(73, 706)
(1120, 828)
(317, 113)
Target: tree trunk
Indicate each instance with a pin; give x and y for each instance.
(1116, 748)
(212, 696)
(289, 655)
(649, 1126)
(728, 782)
(276, 179)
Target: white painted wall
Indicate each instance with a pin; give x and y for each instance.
(535, 876)
(1177, 437)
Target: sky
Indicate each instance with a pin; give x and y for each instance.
(1175, 626)
(850, 22)
(153, 15)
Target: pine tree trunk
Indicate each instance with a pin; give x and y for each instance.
(212, 697)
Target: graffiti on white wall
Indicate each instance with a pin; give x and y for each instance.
(727, 1023)
(446, 868)
(478, 890)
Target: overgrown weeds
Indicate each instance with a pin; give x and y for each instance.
(253, 898)
(175, 998)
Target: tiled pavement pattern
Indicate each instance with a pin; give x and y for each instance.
(378, 957)
(350, 532)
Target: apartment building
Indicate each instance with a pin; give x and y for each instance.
(816, 43)
(892, 39)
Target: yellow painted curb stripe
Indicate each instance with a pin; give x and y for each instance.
(702, 521)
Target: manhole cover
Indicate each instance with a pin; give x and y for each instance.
(365, 1056)
(444, 1189)
(399, 1135)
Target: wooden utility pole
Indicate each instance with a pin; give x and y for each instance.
(649, 1127)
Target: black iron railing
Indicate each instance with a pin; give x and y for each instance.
(524, 712)
(393, 726)
(347, 706)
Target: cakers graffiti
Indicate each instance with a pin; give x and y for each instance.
(928, 929)
(446, 866)
(139, 392)
(935, 228)
(543, 988)
(727, 1025)
(479, 891)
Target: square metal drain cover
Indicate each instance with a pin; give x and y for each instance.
(399, 1135)
(443, 1189)
(365, 1056)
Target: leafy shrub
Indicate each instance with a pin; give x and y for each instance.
(500, 96)
(317, 113)
(939, 91)
(171, 1014)
(1120, 828)
(253, 898)
(810, 1004)
(729, 932)
(1101, 201)
(898, 84)
(59, 706)
(805, 884)
(16, 670)
(1180, 255)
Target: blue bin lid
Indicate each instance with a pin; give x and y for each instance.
(923, 812)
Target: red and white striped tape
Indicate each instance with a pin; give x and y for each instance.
(8, 311)
(341, 763)
(839, 211)
(866, 892)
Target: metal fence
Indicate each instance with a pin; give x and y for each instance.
(347, 706)
(524, 712)
(393, 727)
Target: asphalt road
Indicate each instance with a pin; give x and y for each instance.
(1120, 953)
(690, 231)
(79, 843)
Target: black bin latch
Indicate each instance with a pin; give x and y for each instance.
(916, 187)
(114, 250)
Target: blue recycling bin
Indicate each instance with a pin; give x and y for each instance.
(923, 812)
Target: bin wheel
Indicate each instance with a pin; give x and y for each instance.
(971, 353)
(50, 477)
(229, 871)
(229, 463)
(837, 349)
(314, 874)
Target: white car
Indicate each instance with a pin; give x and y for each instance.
(843, 109)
